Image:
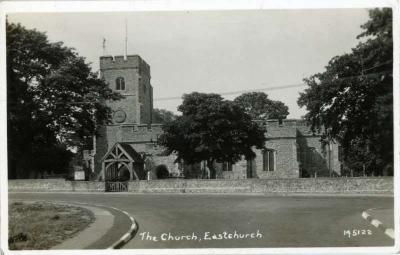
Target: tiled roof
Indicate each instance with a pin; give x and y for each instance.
(136, 156)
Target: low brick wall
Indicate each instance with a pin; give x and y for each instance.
(56, 185)
(362, 185)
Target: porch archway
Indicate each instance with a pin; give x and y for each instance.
(121, 163)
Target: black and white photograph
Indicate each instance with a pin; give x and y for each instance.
(219, 130)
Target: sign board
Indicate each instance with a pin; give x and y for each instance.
(79, 176)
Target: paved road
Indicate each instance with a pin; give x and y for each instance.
(273, 221)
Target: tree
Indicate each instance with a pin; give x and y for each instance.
(213, 130)
(54, 100)
(259, 106)
(352, 100)
(161, 116)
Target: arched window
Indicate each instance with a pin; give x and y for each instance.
(120, 83)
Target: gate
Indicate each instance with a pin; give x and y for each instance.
(118, 167)
(116, 186)
(114, 182)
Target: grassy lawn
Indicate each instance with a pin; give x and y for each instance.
(41, 225)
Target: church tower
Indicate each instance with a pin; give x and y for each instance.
(129, 76)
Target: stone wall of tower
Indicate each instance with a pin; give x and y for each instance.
(138, 100)
(145, 96)
(137, 103)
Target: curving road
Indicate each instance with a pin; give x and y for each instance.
(268, 221)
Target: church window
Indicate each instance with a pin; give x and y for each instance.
(269, 160)
(120, 83)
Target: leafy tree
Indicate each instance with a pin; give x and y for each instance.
(162, 116)
(353, 98)
(213, 130)
(259, 106)
(53, 100)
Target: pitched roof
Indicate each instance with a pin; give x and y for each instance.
(132, 153)
(127, 149)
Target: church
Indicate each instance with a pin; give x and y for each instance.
(127, 148)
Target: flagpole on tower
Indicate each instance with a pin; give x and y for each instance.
(104, 46)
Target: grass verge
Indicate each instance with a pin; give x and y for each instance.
(42, 225)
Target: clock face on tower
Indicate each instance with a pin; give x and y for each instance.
(119, 116)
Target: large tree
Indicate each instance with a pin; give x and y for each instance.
(353, 98)
(161, 116)
(54, 100)
(211, 129)
(259, 106)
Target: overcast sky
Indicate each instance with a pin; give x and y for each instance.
(213, 51)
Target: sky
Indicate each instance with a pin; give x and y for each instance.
(212, 51)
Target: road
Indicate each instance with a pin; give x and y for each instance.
(268, 221)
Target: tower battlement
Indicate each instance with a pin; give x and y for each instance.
(119, 62)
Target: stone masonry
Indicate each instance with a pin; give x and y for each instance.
(292, 150)
(297, 152)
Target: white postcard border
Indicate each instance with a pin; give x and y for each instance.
(183, 5)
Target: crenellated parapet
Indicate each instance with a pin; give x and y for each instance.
(120, 62)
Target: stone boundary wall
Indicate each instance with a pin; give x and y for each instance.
(361, 185)
(56, 185)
